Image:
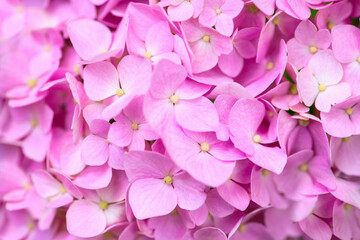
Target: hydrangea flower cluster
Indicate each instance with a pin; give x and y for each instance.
(179, 119)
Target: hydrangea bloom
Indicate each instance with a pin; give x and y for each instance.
(179, 119)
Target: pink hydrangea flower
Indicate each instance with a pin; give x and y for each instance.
(320, 82)
(157, 185)
(219, 13)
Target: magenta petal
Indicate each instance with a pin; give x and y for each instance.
(190, 193)
(210, 233)
(209, 170)
(45, 184)
(197, 115)
(85, 219)
(134, 73)
(234, 194)
(120, 132)
(89, 37)
(146, 164)
(36, 145)
(151, 197)
(101, 80)
(94, 150)
(94, 177)
(316, 228)
(271, 158)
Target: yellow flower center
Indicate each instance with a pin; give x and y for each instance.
(206, 38)
(27, 186)
(330, 25)
(293, 89)
(270, 66)
(347, 207)
(77, 69)
(358, 59)
(104, 51)
(34, 122)
(135, 126)
(349, 111)
(252, 8)
(205, 146)
(265, 172)
(304, 167)
(218, 11)
(303, 122)
(31, 83)
(174, 212)
(346, 139)
(168, 180)
(103, 205)
(313, 49)
(276, 21)
(31, 225)
(174, 98)
(62, 190)
(120, 92)
(242, 228)
(257, 138)
(148, 55)
(20, 9)
(322, 87)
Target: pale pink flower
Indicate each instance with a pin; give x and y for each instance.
(319, 83)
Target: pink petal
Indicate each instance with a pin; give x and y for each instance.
(36, 145)
(307, 86)
(116, 157)
(345, 43)
(94, 177)
(94, 150)
(89, 37)
(197, 114)
(159, 39)
(117, 188)
(115, 213)
(232, 7)
(181, 12)
(166, 78)
(45, 184)
(226, 151)
(332, 95)
(70, 160)
(217, 206)
(348, 192)
(316, 228)
(85, 219)
(205, 57)
(271, 158)
(244, 119)
(234, 194)
(151, 197)
(190, 193)
(209, 170)
(146, 164)
(224, 24)
(120, 132)
(134, 73)
(210, 233)
(335, 117)
(100, 80)
(231, 64)
(326, 68)
(117, 106)
(266, 6)
(207, 17)
(344, 154)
